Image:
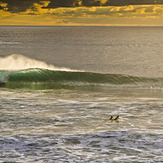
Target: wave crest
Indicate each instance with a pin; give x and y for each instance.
(20, 62)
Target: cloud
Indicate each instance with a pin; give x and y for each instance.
(3, 5)
(131, 2)
(112, 15)
(64, 3)
(16, 6)
(79, 12)
(90, 3)
(114, 11)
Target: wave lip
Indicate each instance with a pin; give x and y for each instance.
(45, 75)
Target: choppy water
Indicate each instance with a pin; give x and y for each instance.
(75, 126)
(61, 112)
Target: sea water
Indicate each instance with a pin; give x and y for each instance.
(61, 85)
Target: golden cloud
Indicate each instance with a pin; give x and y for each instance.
(38, 14)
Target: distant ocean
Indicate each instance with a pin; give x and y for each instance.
(59, 86)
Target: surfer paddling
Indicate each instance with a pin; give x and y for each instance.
(114, 119)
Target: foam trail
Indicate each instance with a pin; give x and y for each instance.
(20, 62)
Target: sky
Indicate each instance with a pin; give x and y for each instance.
(82, 12)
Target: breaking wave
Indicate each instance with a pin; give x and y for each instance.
(17, 71)
(43, 79)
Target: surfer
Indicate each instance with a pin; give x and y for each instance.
(114, 119)
(111, 118)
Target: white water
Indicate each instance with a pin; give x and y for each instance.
(20, 62)
(75, 126)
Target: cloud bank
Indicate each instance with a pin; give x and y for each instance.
(16, 6)
(81, 12)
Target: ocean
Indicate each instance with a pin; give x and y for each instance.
(60, 86)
